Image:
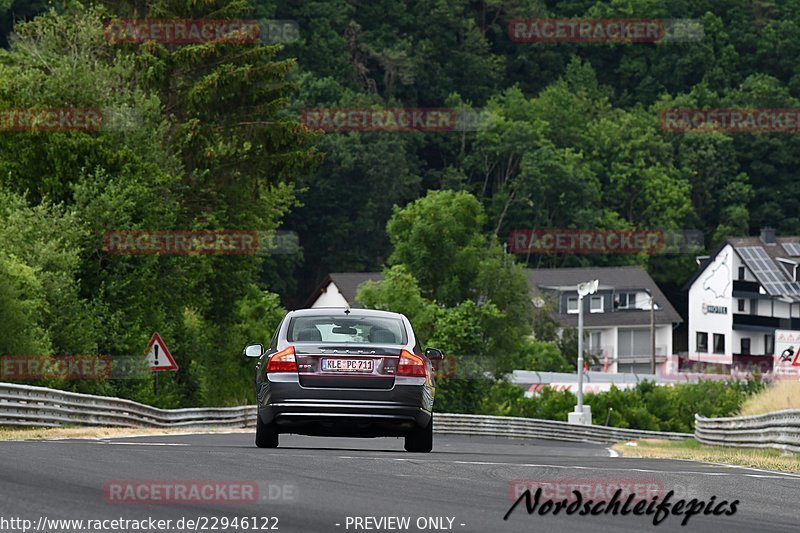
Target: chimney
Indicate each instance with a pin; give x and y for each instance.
(768, 235)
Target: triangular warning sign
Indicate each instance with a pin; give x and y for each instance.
(795, 361)
(158, 356)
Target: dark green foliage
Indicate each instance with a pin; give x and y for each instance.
(570, 138)
(646, 406)
(204, 147)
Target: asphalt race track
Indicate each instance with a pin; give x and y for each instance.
(466, 484)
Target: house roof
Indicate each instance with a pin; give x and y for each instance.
(347, 283)
(617, 278)
(774, 251)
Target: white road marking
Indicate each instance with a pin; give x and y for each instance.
(100, 441)
(764, 474)
(143, 443)
(774, 475)
(754, 469)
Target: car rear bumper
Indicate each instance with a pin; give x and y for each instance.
(329, 418)
(355, 412)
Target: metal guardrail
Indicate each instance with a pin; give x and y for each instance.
(24, 405)
(534, 428)
(778, 429)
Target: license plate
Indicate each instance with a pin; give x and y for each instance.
(348, 365)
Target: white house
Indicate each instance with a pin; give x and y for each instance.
(617, 319)
(338, 289)
(744, 303)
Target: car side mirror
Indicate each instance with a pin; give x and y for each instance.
(253, 350)
(433, 354)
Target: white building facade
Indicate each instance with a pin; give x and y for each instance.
(620, 331)
(744, 303)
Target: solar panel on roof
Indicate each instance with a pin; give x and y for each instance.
(792, 248)
(767, 273)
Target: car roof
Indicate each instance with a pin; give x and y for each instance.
(328, 311)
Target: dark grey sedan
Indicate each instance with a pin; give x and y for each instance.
(345, 372)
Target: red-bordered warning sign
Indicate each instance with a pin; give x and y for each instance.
(158, 356)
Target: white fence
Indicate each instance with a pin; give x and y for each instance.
(779, 429)
(23, 405)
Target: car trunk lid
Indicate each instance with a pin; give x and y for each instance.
(347, 366)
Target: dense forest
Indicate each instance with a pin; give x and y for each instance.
(570, 136)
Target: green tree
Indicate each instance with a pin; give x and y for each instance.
(439, 240)
(399, 292)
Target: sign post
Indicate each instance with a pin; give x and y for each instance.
(786, 359)
(158, 358)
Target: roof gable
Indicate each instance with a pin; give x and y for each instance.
(347, 283)
(619, 278)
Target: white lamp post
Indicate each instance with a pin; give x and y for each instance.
(582, 414)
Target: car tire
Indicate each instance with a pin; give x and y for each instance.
(266, 434)
(420, 440)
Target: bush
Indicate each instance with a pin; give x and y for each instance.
(533, 354)
(647, 406)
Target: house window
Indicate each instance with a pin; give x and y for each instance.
(769, 344)
(633, 342)
(719, 343)
(702, 341)
(741, 304)
(626, 300)
(745, 347)
(741, 273)
(596, 304)
(572, 305)
(594, 343)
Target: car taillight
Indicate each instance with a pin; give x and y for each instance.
(411, 365)
(282, 361)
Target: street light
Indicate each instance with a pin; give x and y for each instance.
(581, 416)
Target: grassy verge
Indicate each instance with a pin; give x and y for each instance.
(767, 459)
(784, 394)
(14, 433)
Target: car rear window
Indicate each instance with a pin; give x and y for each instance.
(340, 329)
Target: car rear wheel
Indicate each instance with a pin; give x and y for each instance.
(420, 440)
(266, 434)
